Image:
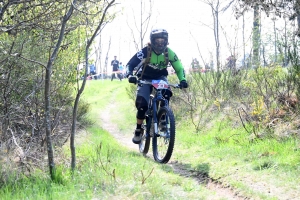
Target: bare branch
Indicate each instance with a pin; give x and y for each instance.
(33, 61)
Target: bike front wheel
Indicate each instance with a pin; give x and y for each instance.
(163, 142)
(145, 142)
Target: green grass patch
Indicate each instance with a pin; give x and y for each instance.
(107, 170)
(104, 168)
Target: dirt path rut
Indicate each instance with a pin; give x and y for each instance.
(125, 140)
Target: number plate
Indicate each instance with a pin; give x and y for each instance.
(160, 84)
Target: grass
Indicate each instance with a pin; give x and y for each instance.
(107, 170)
(232, 156)
(226, 152)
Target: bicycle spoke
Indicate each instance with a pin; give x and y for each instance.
(163, 143)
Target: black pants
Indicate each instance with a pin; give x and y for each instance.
(114, 74)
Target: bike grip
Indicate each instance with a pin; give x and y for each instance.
(132, 79)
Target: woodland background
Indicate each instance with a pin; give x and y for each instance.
(42, 43)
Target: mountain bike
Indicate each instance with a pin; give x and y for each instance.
(159, 123)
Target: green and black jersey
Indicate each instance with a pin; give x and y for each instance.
(157, 66)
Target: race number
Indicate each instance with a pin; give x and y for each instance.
(160, 84)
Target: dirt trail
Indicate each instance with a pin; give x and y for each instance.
(125, 140)
(113, 129)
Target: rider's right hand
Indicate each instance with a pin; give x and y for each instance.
(183, 84)
(132, 79)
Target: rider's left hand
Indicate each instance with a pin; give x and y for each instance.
(184, 84)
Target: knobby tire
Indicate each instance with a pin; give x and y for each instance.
(163, 146)
(146, 139)
(145, 143)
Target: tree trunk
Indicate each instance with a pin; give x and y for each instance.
(48, 92)
(244, 44)
(285, 45)
(215, 13)
(106, 58)
(297, 10)
(275, 41)
(256, 36)
(75, 108)
(145, 17)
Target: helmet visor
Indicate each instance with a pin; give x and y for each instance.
(160, 41)
(160, 45)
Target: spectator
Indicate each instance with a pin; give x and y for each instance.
(121, 70)
(115, 68)
(92, 69)
(231, 62)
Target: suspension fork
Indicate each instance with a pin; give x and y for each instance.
(154, 114)
(156, 101)
(149, 116)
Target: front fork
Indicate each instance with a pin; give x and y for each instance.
(148, 125)
(153, 118)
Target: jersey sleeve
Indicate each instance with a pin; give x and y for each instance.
(176, 64)
(136, 59)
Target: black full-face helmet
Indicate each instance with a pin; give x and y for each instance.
(159, 40)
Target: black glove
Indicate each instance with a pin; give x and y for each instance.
(129, 74)
(183, 84)
(132, 79)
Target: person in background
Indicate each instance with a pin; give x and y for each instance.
(92, 69)
(89, 77)
(115, 68)
(121, 70)
(155, 58)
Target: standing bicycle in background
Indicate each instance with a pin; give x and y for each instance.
(152, 62)
(115, 68)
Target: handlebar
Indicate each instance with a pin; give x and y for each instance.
(150, 83)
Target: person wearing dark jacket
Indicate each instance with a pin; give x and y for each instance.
(154, 60)
(115, 64)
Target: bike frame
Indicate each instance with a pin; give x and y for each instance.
(163, 132)
(153, 106)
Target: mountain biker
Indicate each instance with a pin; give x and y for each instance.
(154, 59)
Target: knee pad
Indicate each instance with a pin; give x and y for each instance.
(142, 106)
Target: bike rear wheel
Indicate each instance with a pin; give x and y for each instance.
(163, 142)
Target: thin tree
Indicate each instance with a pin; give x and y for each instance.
(81, 89)
(143, 26)
(215, 10)
(244, 43)
(215, 14)
(275, 40)
(256, 35)
(47, 90)
(106, 57)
